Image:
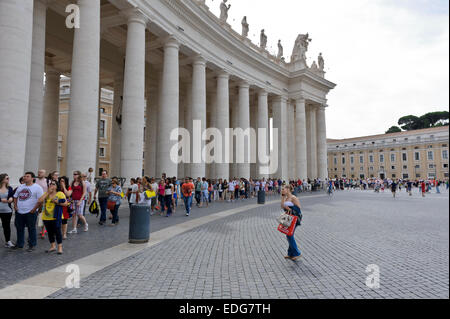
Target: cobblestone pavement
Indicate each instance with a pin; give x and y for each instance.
(18, 266)
(242, 256)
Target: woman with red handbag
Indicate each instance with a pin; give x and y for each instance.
(291, 205)
(114, 200)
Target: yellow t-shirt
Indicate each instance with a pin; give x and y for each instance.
(49, 206)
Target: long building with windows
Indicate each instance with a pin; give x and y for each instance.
(415, 155)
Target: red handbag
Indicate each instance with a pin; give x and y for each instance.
(111, 205)
(289, 231)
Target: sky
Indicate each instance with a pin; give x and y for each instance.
(389, 58)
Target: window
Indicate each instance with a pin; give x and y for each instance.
(394, 176)
(430, 155)
(417, 156)
(393, 167)
(335, 161)
(352, 160)
(430, 146)
(100, 171)
(371, 158)
(102, 152)
(417, 166)
(361, 159)
(405, 167)
(353, 169)
(371, 168)
(417, 175)
(445, 154)
(405, 157)
(102, 110)
(361, 169)
(381, 158)
(445, 165)
(405, 176)
(102, 128)
(393, 158)
(343, 160)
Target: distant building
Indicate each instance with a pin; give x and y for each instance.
(421, 154)
(105, 129)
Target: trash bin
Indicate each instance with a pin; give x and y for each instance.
(139, 224)
(261, 197)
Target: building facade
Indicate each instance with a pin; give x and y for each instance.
(170, 64)
(414, 155)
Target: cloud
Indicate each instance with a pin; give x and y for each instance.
(389, 58)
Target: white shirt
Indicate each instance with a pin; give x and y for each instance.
(27, 197)
(231, 186)
(134, 190)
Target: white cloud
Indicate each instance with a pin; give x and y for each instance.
(388, 58)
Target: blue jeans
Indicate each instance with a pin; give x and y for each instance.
(188, 204)
(168, 199)
(438, 190)
(293, 250)
(28, 220)
(103, 202)
(115, 214)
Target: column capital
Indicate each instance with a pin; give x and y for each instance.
(280, 99)
(171, 42)
(199, 60)
(262, 92)
(135, 15)
(244, 85)
(223, 74)
(300, 100)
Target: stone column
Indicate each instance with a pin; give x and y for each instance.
(182, 124)
(151, 131)
(244, 124)
(322, 144)
(312, 143)
(198, 167)
(212, 123)
(280, 123)
(133, 98)
(36, 102)
(188, 123)
(291, 140)
(301, 148)
(116, 128)
(16, 30)
(223, 121)
(83, 113)
(169, 112)
(49, 139)
(254, 126)
(234, 103)
(263, 123)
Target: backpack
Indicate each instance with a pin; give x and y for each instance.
(93, 209)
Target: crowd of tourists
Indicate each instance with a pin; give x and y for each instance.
(48, 205)
(394, 185)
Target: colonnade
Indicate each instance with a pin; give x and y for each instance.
(29, 116)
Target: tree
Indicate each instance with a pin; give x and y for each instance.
(410, 123)
(394, 129)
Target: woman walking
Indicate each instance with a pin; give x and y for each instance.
(6, 198)
(114, 199)
(78, 195)
(63, 183)
(291, 205)
(168, 197)
(53, 201)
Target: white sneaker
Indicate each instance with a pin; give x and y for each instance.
(73, 231)
(9, 245)
(86, 227)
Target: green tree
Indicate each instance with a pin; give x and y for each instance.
(410, 123)
(394, 129)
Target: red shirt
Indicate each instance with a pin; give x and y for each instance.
(187, 189)
(77, 192)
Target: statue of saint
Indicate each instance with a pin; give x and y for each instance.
(321, 62)
(224, 11)
(280, 50)
(263, 40)
(301, 47)
(245, 27)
